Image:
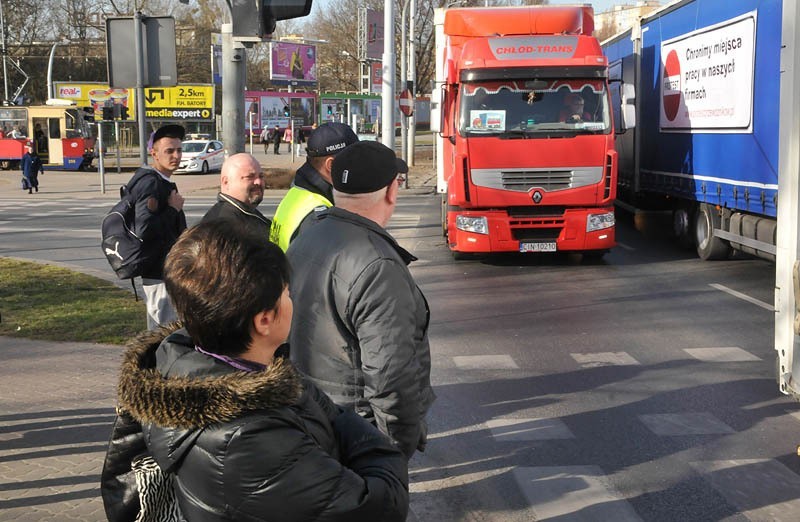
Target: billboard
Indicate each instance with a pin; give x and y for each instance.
(96, 96)
(292, 63)
(185, 102)
(374, 34)
(707, 78)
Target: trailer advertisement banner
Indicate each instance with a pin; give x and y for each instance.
(707, 78)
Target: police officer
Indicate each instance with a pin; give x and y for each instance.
(311, 188)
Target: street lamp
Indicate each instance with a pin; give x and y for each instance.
(50, 90)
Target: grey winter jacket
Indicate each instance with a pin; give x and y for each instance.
(264, 445)
(360, 325)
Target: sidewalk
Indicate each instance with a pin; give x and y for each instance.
(57, 399)
(87, 185)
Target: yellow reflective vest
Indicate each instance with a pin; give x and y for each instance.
(294, 207)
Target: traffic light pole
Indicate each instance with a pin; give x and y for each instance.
(139, 46)
(233, 72)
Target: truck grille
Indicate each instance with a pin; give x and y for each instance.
(549, 180)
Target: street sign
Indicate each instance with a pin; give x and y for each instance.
(406, 102)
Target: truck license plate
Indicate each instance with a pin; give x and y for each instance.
(549, 246)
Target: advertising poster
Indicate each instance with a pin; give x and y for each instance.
(96, 96)
(272, 107)
(374, 34)
(376, 77)
(293, 63)
(707, 78)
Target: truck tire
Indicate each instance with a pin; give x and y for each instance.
(709, 247)
(682, 227)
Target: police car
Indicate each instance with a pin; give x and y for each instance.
(201, 156)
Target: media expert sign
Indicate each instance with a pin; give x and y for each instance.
(184, 102)
(707, 78)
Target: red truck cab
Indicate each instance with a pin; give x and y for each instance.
(525, 159)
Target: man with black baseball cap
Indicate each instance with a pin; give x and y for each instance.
(360, 327)
(159, 217)
(311, 188)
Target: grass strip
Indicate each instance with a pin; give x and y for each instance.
(47, 302)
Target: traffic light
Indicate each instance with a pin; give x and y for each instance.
(330, 110)
(123, 112)
(108, 113)
(255, 19)
(286, 110)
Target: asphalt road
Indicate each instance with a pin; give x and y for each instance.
(640, 387)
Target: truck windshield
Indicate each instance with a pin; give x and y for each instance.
(546, 107)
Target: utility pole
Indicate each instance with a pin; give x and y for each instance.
(233, 73)
(387, 91)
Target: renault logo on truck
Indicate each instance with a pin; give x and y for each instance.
(536, 196)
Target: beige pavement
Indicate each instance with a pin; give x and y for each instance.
(56, 184)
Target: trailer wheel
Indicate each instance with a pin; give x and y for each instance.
(709, 247)
(682, 227)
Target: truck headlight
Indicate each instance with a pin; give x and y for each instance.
(476, 224)
(600, 221)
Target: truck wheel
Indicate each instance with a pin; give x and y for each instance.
(709, 247)
(682, 227)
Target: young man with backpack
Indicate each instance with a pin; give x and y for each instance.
(159, 218)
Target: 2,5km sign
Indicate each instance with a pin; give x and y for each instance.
(182, 102)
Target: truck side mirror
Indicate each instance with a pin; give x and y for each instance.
(628, 101)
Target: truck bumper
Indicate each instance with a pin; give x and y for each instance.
(531, 233)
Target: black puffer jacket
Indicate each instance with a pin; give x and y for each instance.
(259, 445)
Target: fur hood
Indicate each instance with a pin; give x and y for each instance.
(186, 402)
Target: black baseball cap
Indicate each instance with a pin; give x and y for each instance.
(329, 139)
(166, 131)
(366, 166)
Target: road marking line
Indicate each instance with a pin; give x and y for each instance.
(742, 296)
(625, 247)
(572, 493)
(680, 424)
(721, 354)
(504, 430)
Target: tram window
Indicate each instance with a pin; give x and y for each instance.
(52, 126)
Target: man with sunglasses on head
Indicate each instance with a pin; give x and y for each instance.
(360, 329)
(311, 189)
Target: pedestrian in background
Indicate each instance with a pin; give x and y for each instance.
(311, 188)
(360, 331)
(265, 138)
(245, 434)
(300, 139)
(288, 138)
(241, 184)
(31, 167)
(275, 137)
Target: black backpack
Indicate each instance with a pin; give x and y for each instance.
(120, 244)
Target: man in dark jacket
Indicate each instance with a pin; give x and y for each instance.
(245, 435)
(159, 217)
(241, 190)
(311, 188)
(275, 137)
(360, 330)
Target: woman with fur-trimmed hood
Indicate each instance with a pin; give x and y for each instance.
(245, 435)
